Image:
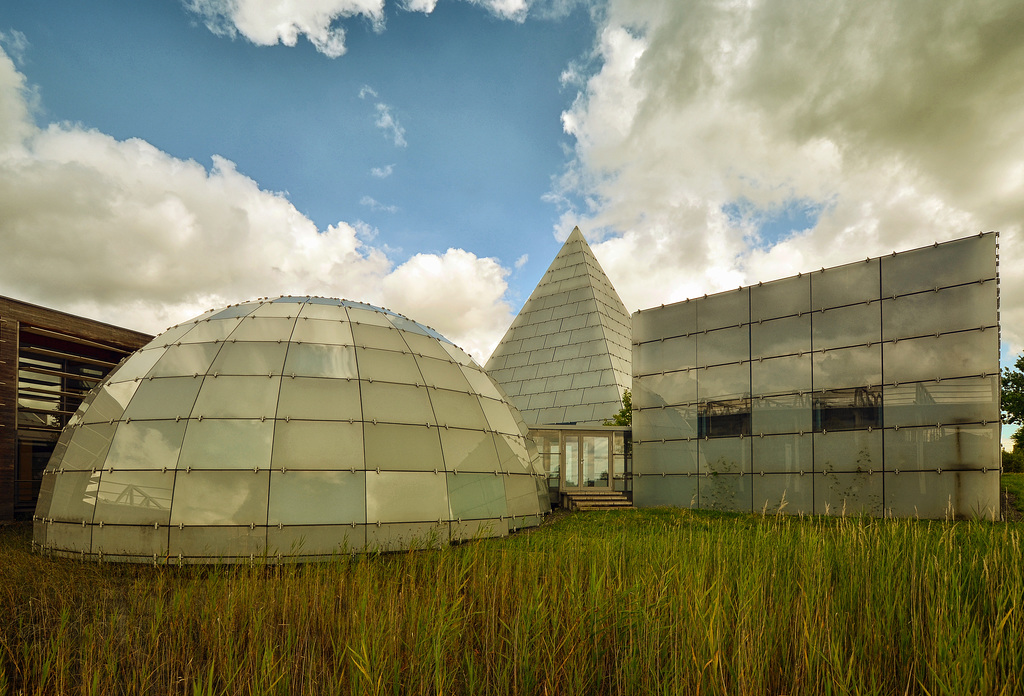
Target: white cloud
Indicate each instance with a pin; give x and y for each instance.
(902, 121)
(267, 24)
(377, 206)
(125, 233)
(383, 172)
(16, 44)
(387, 122)
(367, 91)
(522, 260)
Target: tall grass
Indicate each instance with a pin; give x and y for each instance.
(633, 602)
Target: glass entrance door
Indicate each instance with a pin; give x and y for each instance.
(587, 462)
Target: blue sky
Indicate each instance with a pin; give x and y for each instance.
(161, 158)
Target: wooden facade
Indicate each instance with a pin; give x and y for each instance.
(48, 362)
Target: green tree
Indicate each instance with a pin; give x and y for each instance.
(1013, 393)
(625, 414)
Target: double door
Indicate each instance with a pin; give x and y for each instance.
(587, 461)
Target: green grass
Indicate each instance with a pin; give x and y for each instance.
(1014, 485)
(632, 602)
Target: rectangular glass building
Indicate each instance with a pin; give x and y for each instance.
(866, 388)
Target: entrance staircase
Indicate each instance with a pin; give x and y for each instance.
(596, 500)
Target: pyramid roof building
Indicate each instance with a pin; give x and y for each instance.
(567, 357)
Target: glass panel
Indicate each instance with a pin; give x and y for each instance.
(783, 453)
(239, 310)
(110, 401)
(781, 414)
(137, 365)
(725, 382)
(670, 320)
(961, 261)
(843, 285)
(396, 403)
(313, 398)
(670, 354)
(406, 496)
(458, 355)
(46, 486)
(472, 450)
(315, 540)
(669, 457)
(388, 366)
(69, 537)
(671, 491)
(521, 496)
(724, 455)
(220, 497)
(478, 529)
(227, 444)
(963, 354)
(480, 383)
(402, 447)
(780, 298)
(87, 447)
(169, 397)
(723, 346)
(964, 307)
(146, 445)
(847, 367)
(783, 493)
(217, 542)
(443, 374)
(317, 497)
(596, 461)
(370, 317)
(250, 359)
(848, 409)
(191, 359)
(209, 331)
(237, 397)
(313, 310)
(850, 451)
(427, 347)
(728, 308)
(781, 375)
(572, 461)
(264, 329)
(313, 360)
(973, 399)
(669, 388)
(457, 409)
(378, 337)
(846, 326)
(476, 496)
(500, 417)
(278, 308)
(134, 497)
(318, 445)
(513, 455)
(848, 494)
(723, 418)
(948, 495)
(74, 496)
(670, 422)
(948, 447)
(323, 332)
(140, 542)
(780, 337)
(727, 492)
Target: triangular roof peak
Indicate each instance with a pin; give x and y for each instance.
(567, 356)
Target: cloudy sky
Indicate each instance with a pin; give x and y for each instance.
(161, 158)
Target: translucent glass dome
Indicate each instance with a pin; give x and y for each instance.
(294, 427)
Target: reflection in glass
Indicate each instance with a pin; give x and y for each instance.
(146, 445)
(134, 497)
(969, 353)
(188, 359)
(316, 497)
(847, 367)
(780, 337)
(313, 360)
(227, 444)
(723, 417)
(791, 373)
(846, 326)
(781, 414)
(847, 409)
(780, 298)
(843, 285)
(961, 261)
(849, 451)
(952, 309)
(572, 460)
(969, 400)
(729, 308)
(596, 461)
(220, 498)
(723, 346)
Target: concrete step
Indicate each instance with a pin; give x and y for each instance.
(597, 500)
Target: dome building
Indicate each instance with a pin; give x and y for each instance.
(297, 427)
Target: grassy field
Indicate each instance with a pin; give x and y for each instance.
(632, 602)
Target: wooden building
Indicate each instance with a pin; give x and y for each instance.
(49, 361)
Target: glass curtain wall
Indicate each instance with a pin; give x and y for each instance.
(866, 388)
